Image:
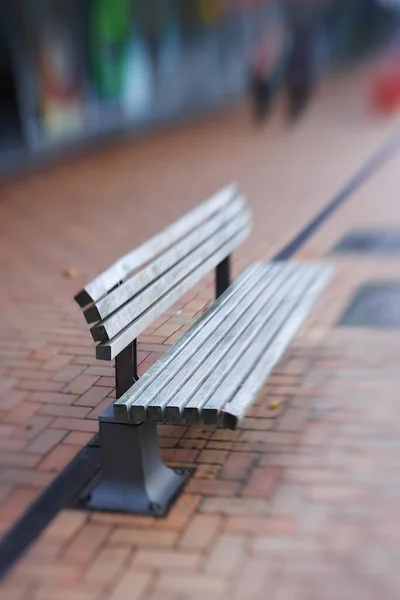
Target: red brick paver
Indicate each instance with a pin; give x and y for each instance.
(297, 504)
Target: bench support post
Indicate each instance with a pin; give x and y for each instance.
(126, 369)
(133, 477)
(223, 276)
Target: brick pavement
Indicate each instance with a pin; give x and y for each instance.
(296, 503)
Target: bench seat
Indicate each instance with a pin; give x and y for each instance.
(218, 367)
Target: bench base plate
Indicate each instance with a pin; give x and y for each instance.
(133, 478)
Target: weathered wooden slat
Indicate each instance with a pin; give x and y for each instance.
(222, 376)
(160, 373)
(186, 366)
(115, 299)
(112, 276)
(230, 385)
(233, 339)
(159, 389)
(220, 367)
(108, 350)
(165, 368)
(234, 411)
(112, 325)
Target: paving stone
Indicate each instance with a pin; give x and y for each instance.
(144, 537)
(132, 586)
(168, 560)
(107, 566)
(201, 531)
(86, 544)
(45, 441)
(227, 554)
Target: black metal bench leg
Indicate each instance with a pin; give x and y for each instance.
(223, 276)
(133, 477)
(126, 369)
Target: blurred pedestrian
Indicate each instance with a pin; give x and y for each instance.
(306, 21)
(268, 64)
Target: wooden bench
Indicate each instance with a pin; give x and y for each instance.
(215, 371)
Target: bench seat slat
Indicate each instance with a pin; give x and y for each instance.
(231, 355)
(264, 339)
(250, 314)
(188, 367)
(156, 377)
(112, 276)
(234, 412)
(112, 325)
(181, 369)
(108, 350)
(217, 383)
(123, 293)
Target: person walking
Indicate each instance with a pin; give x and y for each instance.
(306, 22)
(268, 64)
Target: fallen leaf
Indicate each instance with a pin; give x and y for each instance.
(275, 404)
(70, 273)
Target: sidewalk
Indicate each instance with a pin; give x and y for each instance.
(298, 504)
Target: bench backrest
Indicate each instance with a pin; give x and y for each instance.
(130, 295)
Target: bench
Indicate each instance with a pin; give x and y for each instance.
(215, 371)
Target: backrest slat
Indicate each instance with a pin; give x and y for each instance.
(110, 349)
(112, 325)
(113, 276)
(126, 298)
(122, 294)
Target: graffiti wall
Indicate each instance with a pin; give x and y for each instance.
(103, 64)
(72, 70)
